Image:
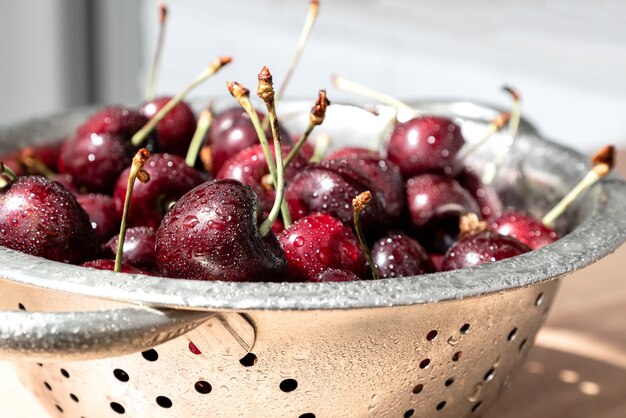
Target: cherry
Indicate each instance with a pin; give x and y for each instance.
(138, 248)
(170, 178)
(102, 213)
(319, 242)
(176, 129)
(94, 160)
(425, 144)
(106, 264)
(398, 255)
(40, 217)
(486, 196)
(115, 120)
(211, 233)
(435, 204)
(335, 275)
(329, 187)
(524, 227)
(353, 153)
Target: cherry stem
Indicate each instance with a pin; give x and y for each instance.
(6, 175)
(265, 91)
(316, 117)
(311, 17)
(470, 224)
(352, 87)
(29, 159)
(206, 156)
(516, 115)
(494, 127)
(205, 119)
(359, 203)
(156, 61)
(603, 163)
(322, 143)
(214, 67)
(379, 139)
(136, 172)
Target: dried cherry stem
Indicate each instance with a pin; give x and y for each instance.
(213, 68)
(602, 164)
(494, 126)
(7, 175)
(205, 119)
(516, 115)
(470, 224)
(206, 156)
(322, 143)
(316, 117)
(352, 87)
(359, 203)
(311, 17)
(156, 61)
(265, 91)
(136, 172)
(29, 160)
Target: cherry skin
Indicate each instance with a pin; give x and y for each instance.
(484, 247)
(435, 204)
(138, 249)
(319, 242)
(398, 255)
(40, 217)
(329, 187)
(335, 275)
(486, 197)
(524, 227)
(425, 144)
(102, 213)
(94, 161)
(106, 264)
(115, 120)
(176, 129)
(170, 178)
(350, 153)
(211, 233)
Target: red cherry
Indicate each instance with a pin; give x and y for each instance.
(176, 129)
(524, 227)
(486, 197)
(105, 264)
(115, 120)
(398, 255)
(102, 213)
(335, 275)
(481, 248)
(138, 249)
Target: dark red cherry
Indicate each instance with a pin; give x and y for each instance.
(105, 264)
(176, 129)
(319, 242)
(335, 275)
(66, 181)
(425, 144)
(94, 161)
(211, 233)
(329, 187)
(481, 248)
(383, 175)
(398, 255)
(435, 204)
(115, 120)
(524, 227)
(102, 213)
(138, 249)
(40, 217)
(352, 153)
(486, 196)
(170, 178)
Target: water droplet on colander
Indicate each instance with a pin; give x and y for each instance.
(453, 341)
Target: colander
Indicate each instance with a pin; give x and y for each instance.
(97, 344)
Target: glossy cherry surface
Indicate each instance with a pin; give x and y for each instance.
(176, 129)
(481, 248)
(211, 234)
(103, 215)
(139, 247)
(486, 197)
(335, 275)
(106, 264)
(524, 227)
(115, 120)
(319, 242)
(398, 255)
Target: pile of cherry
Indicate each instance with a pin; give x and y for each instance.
(414, 203)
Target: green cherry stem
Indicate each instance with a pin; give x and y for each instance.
(205, 119)
(359, 203)
(136, 172)
(265, 91)
(214, 67)
(602, 164)
(6, 175)
(322, 143)
(156, 61)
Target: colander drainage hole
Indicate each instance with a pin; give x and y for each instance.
(21, 307)
(490, 374)
(65, 373)
(203, 387)
(121, 375)
(288, 385)
(47, 385)
(539, 299)
(409, 413)
(441, 405)
(432, 335)
(424, 363)
(522, 345)
(117, 408)
(59, 408)
(195, 350)
(164, 402)
(249, 360)
(477, 406)
(512, 334)
(465, 328)
(74, 397)
(307, 415)
(150, 355)
(457, 356)
(418, 388)
(450, 381)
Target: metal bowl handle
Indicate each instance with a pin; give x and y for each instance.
(44, 336)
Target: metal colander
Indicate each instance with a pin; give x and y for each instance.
(97, 344)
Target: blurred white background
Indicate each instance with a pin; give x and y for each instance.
(566, 57)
